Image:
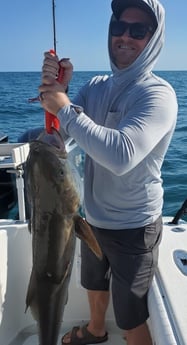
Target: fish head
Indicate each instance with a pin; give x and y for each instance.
(49, 173)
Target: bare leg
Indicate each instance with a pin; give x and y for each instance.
(139, 336)
(98, 302)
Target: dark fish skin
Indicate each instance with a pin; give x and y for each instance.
(54, 201)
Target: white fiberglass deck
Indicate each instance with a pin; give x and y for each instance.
(171, 283)
(18, 327)
(29, 336)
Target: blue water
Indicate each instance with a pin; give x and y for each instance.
(17, 115)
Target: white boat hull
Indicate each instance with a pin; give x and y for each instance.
(167, 297)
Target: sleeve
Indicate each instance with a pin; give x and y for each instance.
(147, 121)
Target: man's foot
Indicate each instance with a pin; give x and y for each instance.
(81, 336)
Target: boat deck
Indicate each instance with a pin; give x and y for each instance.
(18, 327)
(29, 335)
(167, 313)
(167, 302)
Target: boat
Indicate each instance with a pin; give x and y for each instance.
(167, 297)
(8, 196)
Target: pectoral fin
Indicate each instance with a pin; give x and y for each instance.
(84, 232)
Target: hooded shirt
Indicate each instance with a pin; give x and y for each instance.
(125, 124)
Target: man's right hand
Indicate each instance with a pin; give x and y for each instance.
(50, 69)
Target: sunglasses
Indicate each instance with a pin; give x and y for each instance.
(137, 31)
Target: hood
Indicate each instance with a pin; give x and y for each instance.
(146, 61)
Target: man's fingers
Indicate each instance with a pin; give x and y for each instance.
(48, 80)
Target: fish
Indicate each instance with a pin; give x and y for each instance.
(55, 223)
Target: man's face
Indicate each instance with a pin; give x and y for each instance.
(124, 48)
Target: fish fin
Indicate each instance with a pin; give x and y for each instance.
(30, 298)
(84, 232)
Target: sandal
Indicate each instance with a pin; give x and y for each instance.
(87, 337)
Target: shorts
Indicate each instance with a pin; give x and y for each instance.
(129, 261)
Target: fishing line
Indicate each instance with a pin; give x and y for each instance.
(54, 25)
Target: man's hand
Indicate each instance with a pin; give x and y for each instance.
(51, 65)
(52, 95)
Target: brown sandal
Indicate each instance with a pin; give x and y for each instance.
(87, 337)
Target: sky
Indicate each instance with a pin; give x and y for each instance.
(26, 32)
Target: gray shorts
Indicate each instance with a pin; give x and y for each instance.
(131, 257)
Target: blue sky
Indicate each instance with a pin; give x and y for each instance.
(82, 29)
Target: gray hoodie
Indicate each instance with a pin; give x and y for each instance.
(125, 126)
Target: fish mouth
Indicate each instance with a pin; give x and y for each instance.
(54, 139)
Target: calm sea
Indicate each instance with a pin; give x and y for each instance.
(17, 115)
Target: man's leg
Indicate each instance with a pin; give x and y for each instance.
(98, 302)
(139, 336)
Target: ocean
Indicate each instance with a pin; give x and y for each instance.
(18, 115)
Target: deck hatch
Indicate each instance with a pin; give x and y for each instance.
(180, 258)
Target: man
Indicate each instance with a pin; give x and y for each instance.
(124, 122)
